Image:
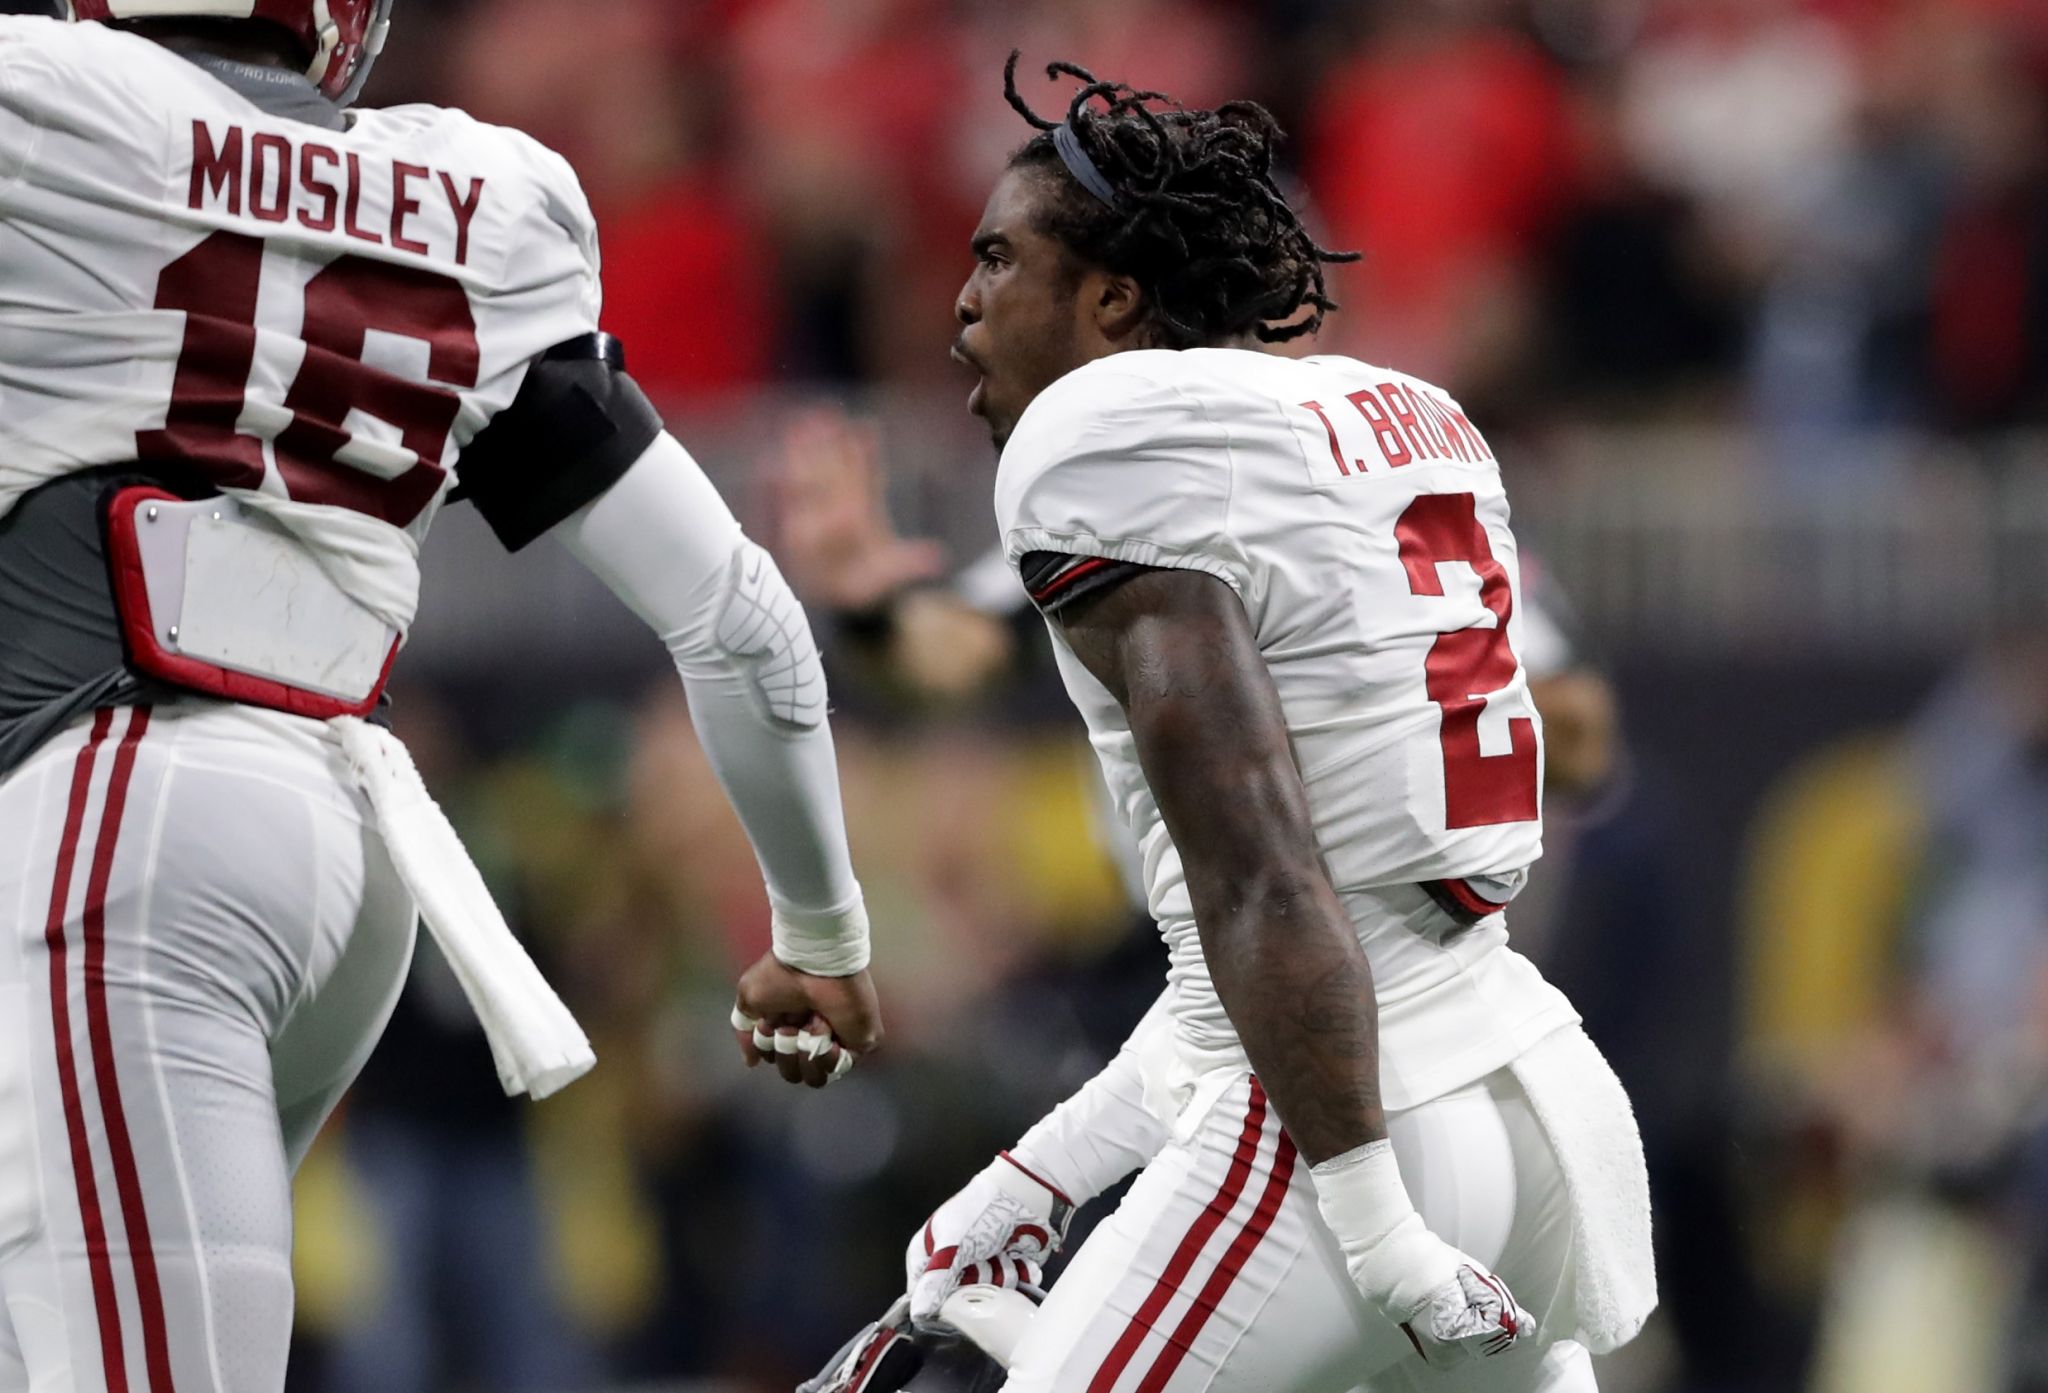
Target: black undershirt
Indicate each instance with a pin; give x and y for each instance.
(1055, 580)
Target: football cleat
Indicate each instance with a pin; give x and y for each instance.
(344, 36)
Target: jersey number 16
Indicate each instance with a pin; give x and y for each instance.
(217, 285)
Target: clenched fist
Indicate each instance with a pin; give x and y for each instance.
(811, 1028)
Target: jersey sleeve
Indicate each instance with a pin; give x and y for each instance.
(567, 208)
(577, 422)
(1115, 466)
(1056, 580)
(76, 104)
(21, 122)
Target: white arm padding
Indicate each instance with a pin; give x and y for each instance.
(667, 544)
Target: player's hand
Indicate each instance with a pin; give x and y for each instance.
(1469, 1314)
(999, 1230)
(810, 1028)
(1451, 1308)
(836, 539)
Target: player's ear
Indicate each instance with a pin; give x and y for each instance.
(1118, 306)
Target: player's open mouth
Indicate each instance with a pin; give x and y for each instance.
(975, 397)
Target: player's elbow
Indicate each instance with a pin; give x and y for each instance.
(1257, 900)
(1271, 934)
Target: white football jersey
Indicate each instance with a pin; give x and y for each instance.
(1360, 518)
(320, 316)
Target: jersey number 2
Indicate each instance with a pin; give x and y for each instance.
(1468, 665)
(217, 285)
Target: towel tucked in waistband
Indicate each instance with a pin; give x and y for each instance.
(536, 1043)
(1585, 1112)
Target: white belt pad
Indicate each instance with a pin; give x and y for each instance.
(228, 588)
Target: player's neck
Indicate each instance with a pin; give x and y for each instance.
(1148, 339)
(259, 45)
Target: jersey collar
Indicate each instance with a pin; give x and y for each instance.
(277, 91)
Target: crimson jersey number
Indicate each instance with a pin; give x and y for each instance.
(1468, 665)
(217, 285)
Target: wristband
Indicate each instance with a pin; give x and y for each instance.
(829, 944)
(1392, 1255)
(1361, 1194)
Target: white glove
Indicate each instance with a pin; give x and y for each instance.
(1451, 1308)
(999, 1230)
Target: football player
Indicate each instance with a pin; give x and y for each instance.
(1376, 1147)
(947, 640)
(251, 340)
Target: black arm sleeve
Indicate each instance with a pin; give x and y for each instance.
(1055, 580)
(577, 425)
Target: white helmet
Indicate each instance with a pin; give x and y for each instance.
(972, 1354)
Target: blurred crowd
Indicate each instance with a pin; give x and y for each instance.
(1813, 213)
(1807, 917)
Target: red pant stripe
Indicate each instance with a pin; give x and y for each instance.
(1206, 1223)
(112, 1354)
(127, 1181)
(1239, 1253)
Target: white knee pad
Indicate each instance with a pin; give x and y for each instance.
(760, 621)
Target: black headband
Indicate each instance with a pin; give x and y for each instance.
(1079, 165)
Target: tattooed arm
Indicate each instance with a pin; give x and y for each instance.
(1176, 649)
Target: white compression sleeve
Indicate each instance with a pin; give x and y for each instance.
(1104, 1131)
(667, 544)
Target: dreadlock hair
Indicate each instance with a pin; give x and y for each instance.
(1198, 220)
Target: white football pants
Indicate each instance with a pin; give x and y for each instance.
(1216, 1274)
(201, 938)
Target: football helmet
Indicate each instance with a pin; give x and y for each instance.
(344, 36)
(971, 1354)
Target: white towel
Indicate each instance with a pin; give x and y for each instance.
(536, 1043)
(1586, 1114)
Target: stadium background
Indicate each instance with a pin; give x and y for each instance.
(1751, 297)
